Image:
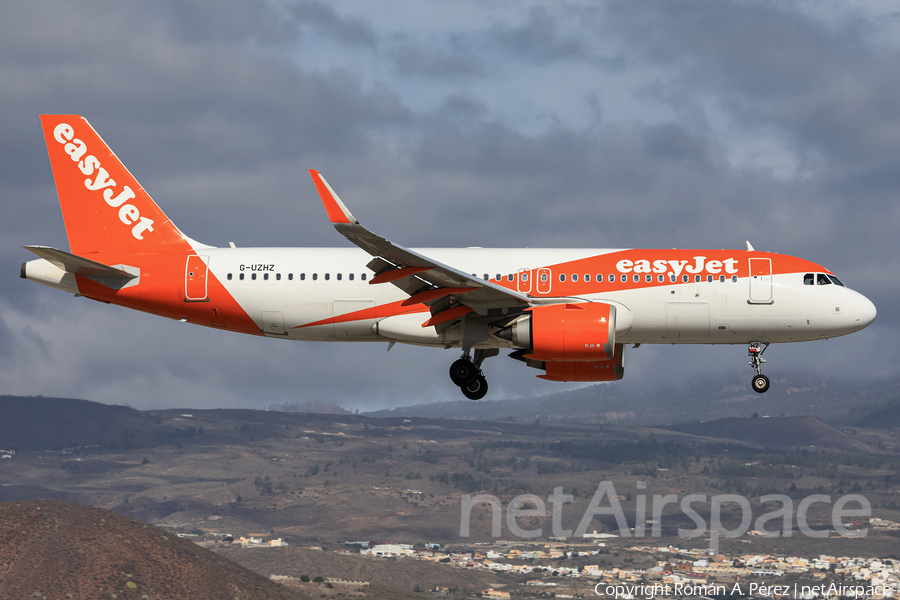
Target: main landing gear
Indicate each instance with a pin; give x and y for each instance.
(759, 383)
(466, 373)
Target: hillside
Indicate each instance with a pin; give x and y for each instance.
(53, 549)
(405, 575)
(307, 477)
(883, 416)
(35, 423)
(786, 432)
(707, 398)
(39, 423)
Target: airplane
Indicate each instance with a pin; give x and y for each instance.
(566, 312)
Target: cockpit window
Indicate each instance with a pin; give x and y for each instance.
(835, 280)
(809, 279)
(822, 279)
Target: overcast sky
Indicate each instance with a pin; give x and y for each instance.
(461, 123)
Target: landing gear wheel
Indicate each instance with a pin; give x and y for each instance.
(463, 372)
(760, 383)
(477, 389)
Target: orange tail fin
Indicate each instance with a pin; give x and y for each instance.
(103, 205)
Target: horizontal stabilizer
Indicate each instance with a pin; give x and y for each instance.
(77, 265)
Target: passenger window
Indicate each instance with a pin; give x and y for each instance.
(350, 276)
(509, 277)
(822, 279)
(684, 278)
(721, 279)
(524, 277)
(636, 278)
(574, 277)
(660, 278)
(363, 277)
(229, 277)
(612, 278)
(599, 278)
(266, 276)
(339, 276)
(587, 278)
(315, 276)
(624, 278)
(648, 278)
(809, 279)
(241, 276)
(709, 279)
(253, 276)
(672, 278)
(277, 276)
(734, 279)
(562, 276)
(327, 276)
(544, 277)
(499, 277)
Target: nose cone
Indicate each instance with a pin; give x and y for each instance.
(864, 311)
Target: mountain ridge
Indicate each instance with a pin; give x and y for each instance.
(831, 400)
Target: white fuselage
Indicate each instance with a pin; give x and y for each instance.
(320, 284)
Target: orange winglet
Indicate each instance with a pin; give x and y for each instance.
(395, 274)
(447, 315)
(337, 212)
(433, 295)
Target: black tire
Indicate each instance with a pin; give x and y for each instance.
(463, 372)
(477, 389)
(760, 383)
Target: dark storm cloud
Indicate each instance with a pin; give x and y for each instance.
(670, 140)
(454, 61)
(185, 113)
(318, 17)
(830, 88)
(538, 39)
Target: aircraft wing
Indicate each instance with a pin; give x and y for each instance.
(424, 279)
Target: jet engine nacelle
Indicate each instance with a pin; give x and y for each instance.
(604, 370)
(582, 332)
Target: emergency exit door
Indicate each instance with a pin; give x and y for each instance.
(195, 278)
(760, 280)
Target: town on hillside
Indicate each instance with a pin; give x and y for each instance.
(567, 569)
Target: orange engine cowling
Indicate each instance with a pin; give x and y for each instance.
(603, 370)
(583, 332)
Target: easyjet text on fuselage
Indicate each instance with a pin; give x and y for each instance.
(676, 267)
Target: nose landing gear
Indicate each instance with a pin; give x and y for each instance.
(759, 383)
(467, 374)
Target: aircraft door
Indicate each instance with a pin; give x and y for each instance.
(544, 280)
(760, 280)
(195, 277)
(523, 281)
